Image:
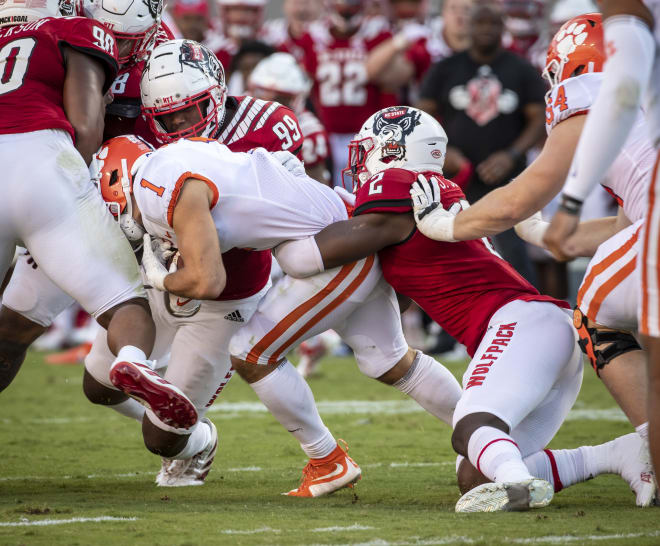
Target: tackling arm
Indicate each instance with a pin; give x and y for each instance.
(83, 98)
(504, 207)
(203, 276)
(344, 242)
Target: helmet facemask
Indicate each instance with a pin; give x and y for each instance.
(210, 106)
(141, 44)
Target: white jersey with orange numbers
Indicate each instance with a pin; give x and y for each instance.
(628, 178)
(257, 203)
(609, 293)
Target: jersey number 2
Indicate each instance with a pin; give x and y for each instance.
(375, 184)
(14, 61)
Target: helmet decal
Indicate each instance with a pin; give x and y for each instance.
(155, 7)
(197, 56)
(69, 8)
(392, 126)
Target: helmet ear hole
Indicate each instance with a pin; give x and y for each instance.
(114, 177)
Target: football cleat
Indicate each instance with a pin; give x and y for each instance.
(311, 352)
(193, 471)
(327, 475)
(630, 456)
(167, 401)
(506, 497)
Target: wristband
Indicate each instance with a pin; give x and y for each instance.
(570, 205)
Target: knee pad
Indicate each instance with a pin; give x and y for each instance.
(590, 337)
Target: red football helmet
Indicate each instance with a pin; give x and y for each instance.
(576, 48)
(110, 171)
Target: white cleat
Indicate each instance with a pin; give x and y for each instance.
(193, 471)
(631, 457)
(506, 497)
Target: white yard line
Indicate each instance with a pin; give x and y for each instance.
(250, 531)
(551, 539)
(41, 522)
(231, 410)
(337, 529)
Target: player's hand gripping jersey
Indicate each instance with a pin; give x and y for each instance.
(257, 203)
(460, 285)
(628, 178)
(32, 70)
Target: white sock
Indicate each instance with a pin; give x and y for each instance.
(130, 408)
(626, 75)
(290, 400)
(496, 456)
(432, 386)
(560, 467)
(129, 353)
(197, 441)
(643, 431)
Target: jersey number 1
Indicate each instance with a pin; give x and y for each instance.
(14, 61)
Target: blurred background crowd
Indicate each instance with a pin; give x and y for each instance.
(476, 65)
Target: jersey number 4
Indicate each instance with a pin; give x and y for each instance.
(14, 61)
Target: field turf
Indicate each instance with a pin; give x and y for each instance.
(74, 473)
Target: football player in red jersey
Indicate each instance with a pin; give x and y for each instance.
(344, 91)
(513, 403)
(280, 78)
(55, 73)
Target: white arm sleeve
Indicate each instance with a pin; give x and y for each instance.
(625, 78)
(300, 258)
(533, 229)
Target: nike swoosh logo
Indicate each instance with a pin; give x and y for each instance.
(338, 470)
(182, 303)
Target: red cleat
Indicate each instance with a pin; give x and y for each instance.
(167, 401)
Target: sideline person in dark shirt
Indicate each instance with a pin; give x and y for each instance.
(491, 104)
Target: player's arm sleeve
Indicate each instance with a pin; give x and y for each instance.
(625, 78)
(350, 240)
(92, 38)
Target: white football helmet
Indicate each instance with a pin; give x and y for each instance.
(396, 137)
(243, 24)
(136, 21)
(280, 78)
(17, 12)
(183, 74)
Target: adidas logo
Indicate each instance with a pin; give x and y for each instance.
(235, 316)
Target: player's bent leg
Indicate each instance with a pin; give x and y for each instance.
(652, 345)
(16, 334)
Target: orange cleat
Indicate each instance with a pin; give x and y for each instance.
(327, 475)
(75, 355)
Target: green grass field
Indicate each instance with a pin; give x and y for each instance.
(74, 473)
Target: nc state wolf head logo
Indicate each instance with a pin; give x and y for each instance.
(69, 8)
(201, 58)
(155, 7)
(392, 126)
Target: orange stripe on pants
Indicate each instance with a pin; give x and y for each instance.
(608, 286)
(644, 322)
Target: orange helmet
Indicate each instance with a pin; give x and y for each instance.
(110, 170)
(576, 48)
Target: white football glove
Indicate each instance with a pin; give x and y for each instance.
(162, 249)
(431, 219)
(155, 271)
(176, 305)
(533, 229)
(290, 162)
(347, 197)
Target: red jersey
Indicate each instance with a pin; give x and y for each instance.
(342, 96)
(277, 34)
(255, 124)
(123, 115)
(460, 285)
(316, 146)
(32, 70)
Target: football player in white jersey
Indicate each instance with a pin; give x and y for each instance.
(574, 66)
(205, 200)
(192, 339)
(632, 73)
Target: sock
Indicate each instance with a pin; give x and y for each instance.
(198, 440)
(432, 386)
(496, 456)
(643, 431)
(130, 408)
(560, 467)
(290, 400)
(129, 353)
